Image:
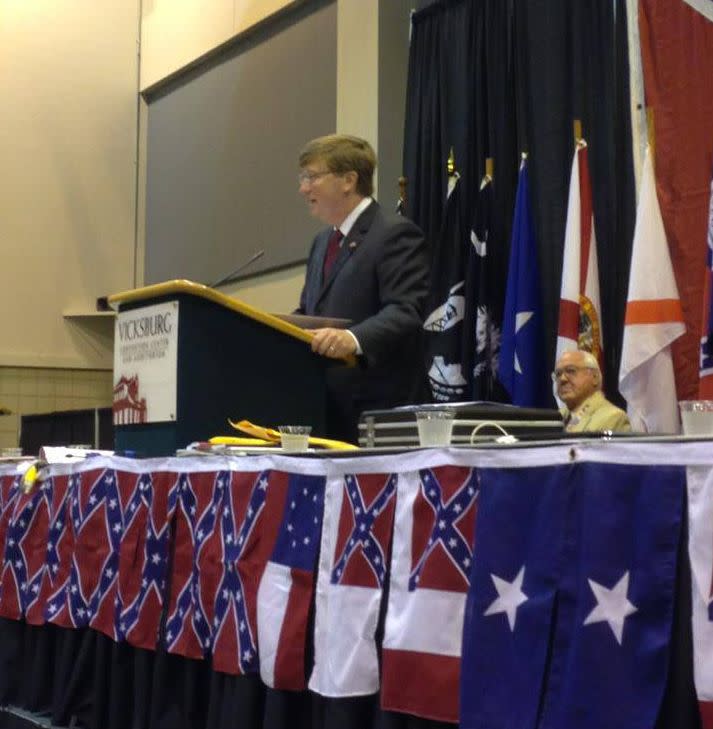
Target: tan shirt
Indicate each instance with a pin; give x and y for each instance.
(595, 414)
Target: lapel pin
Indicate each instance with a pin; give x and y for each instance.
(352, 245)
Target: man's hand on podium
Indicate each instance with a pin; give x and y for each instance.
(334, 343)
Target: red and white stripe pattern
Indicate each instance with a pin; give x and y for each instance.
(436, 511)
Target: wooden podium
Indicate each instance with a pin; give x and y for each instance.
(232, 361)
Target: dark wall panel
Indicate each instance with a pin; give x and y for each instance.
(222, 147)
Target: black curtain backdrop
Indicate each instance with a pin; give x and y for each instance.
(460, 97)
(499, 77)
(63, 427)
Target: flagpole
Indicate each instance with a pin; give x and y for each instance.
(488, 176)
(651, 131)
(636, 90)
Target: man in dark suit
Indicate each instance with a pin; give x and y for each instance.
(370, 268)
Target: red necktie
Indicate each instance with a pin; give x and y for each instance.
(332, 251)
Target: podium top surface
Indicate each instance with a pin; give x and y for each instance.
(183, 286)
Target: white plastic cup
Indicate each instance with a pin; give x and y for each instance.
(697, 417)
(435, 427)
(295, 438)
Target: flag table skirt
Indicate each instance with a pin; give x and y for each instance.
(272, 591)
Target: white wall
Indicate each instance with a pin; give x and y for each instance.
(358, 69)
(68, 83)
(276, 293)
(176, 32)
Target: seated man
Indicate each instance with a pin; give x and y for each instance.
(368, 267)
(579, 382)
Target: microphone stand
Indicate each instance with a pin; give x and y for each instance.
(257, 255)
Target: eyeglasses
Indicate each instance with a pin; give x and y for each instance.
(310, 177)
(569, 371)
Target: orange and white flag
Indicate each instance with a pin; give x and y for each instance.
(580, 311)
(654, 319)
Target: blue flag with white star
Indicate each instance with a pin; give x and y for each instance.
(568, 618)
(521, 368)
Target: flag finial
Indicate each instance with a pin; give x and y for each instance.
(451, 167)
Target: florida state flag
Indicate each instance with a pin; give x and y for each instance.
(580, 310)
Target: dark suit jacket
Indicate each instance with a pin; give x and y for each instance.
(380, 282)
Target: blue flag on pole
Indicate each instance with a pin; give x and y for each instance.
(568, 616)
(522, 368)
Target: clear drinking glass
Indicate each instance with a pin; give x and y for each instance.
(435, 427)
(697, 416)
(295, 438)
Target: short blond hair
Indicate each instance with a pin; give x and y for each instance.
(343, 153)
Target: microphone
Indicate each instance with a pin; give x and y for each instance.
(255, 256)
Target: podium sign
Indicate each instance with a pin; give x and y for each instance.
(146, 364)
(177, 384)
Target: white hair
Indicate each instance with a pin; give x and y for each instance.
(590, 362)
